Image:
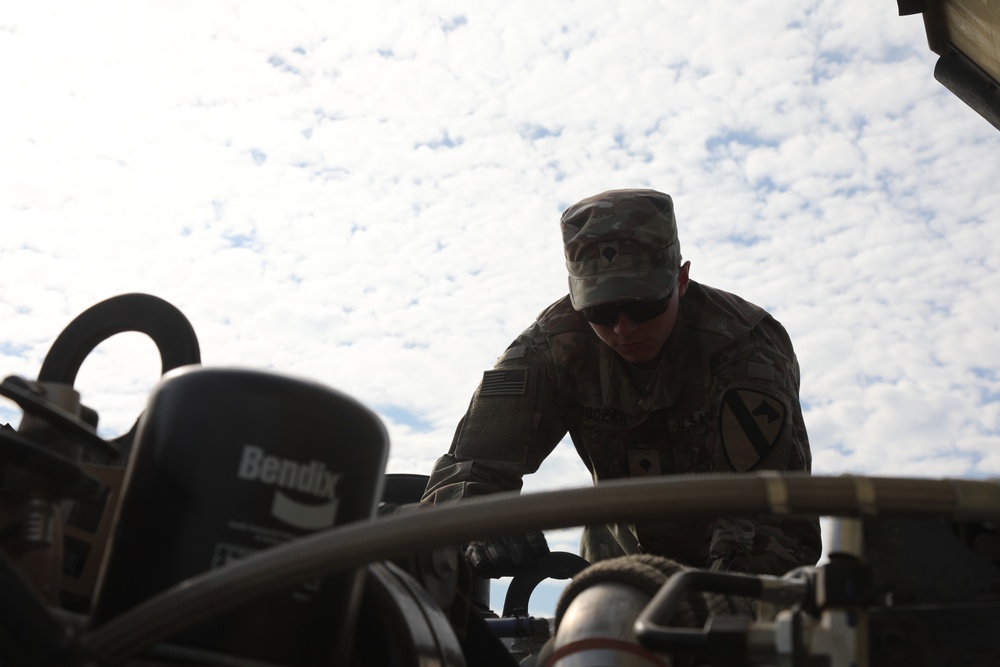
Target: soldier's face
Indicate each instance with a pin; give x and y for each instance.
(640, 343)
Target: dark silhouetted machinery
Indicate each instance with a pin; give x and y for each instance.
(966, 36)
(247, 520)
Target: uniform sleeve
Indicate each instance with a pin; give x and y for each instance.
(512, 424)
(758, 426)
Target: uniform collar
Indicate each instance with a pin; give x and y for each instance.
(665, 386)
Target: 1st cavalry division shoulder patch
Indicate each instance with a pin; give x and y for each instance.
(750, 425)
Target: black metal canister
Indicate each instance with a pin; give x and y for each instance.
(227, 462)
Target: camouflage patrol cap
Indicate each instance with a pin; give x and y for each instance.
(621, 245)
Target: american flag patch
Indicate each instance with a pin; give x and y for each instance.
(504, 382)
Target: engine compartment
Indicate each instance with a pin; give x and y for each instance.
(247, 520)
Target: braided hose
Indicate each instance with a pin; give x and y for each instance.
(656, 498)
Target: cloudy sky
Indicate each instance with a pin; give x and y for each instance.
(367, 195)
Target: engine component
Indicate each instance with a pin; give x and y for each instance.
(400, 625)
(225, 455)
(228, 463)
(596, 615)
(40, 467)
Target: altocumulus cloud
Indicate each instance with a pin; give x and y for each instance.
(367, 196)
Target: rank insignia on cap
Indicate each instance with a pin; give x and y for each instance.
(609, 253)
(750, 425)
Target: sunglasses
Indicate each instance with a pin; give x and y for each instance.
(606, 314)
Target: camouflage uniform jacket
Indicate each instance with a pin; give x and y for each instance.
(723, 398)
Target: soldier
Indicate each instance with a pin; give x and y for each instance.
(651, 373)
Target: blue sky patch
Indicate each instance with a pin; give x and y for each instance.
(445, 141)
(742, 137)
(405, 417)
(454, 23)
(281, 64)
(534, 132)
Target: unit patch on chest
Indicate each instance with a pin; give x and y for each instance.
(751, 423)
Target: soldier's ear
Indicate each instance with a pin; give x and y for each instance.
(682, 278)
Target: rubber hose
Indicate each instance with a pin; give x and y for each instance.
(352, 545)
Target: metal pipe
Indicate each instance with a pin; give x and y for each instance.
(656, 498)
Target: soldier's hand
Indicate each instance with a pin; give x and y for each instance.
(503, 557)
